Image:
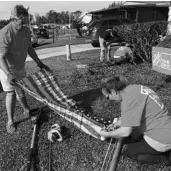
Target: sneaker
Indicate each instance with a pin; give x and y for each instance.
(11, 128)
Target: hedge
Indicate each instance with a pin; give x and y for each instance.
(142, 36)
(166, 42)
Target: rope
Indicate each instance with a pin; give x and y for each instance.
(104, 161)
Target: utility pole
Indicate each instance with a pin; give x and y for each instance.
(53, 26)
(29, 16)
(70, 21)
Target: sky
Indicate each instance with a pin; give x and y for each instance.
(42, 7)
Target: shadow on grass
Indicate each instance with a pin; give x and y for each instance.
(44, 117)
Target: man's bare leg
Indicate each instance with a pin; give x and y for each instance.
(108, 47)
(10, 107)
(108, 53)
(102, 49)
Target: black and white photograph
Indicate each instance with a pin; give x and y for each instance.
(85, 85)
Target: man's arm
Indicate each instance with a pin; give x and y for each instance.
(3, 63)
(5, 41)
(33, 55)
(5, 68)
(117, 133)
(114, 125)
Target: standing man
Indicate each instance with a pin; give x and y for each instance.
(15, 43)
(144, 119)
(106, 38)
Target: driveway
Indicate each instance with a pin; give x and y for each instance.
(61, 50)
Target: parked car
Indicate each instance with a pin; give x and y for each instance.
(90, 27)
(42, 32)
(105, 24)
(34, 38)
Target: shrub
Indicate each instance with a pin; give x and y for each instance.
(142, 36)
(166, 43)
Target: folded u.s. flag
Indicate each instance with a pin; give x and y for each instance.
(43, 86)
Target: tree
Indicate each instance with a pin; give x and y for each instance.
(64, 17)
(44, 20)
(77, 23)
(38, 19)
(52, 16)
(169, 20)
(116, 4)
(31, 18)
(3, 23)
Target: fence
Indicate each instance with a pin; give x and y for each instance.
(56, 32)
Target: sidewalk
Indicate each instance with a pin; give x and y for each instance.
(57, 51)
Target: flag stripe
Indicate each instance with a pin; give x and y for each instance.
(81, 122)
(34, 87)
(54, 85)
(48, 86)
(43, 89)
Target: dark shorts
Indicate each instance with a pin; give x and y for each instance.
(141, 151)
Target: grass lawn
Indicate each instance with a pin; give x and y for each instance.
(78, 151)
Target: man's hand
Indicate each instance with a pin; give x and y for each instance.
(103, 133)
(42, 65)
(11, 78)
(113, 126)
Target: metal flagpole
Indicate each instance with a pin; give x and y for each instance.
(116, 155)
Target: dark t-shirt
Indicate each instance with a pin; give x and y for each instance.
(105, 34)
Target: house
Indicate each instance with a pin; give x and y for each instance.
(139, 11)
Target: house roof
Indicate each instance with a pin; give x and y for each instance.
(134, 4)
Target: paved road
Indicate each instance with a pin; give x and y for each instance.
(56, 51)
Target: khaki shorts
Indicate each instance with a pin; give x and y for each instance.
(6, 86)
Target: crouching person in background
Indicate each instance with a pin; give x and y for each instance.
(124, 54)
(145, 122)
